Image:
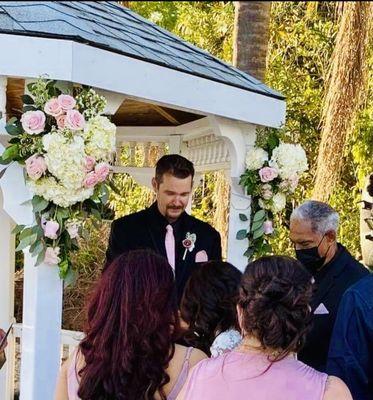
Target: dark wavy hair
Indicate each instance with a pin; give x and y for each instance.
(131, 329)
(274, 297)
(208, 304)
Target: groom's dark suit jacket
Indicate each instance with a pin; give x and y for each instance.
(147, 229)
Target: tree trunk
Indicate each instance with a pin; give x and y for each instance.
(346, 90)
(250, 37)
(124, 3)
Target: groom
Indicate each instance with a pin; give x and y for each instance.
(165, 227)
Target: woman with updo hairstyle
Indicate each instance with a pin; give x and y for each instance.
(274, 317)
(208, 308)
(129, 350)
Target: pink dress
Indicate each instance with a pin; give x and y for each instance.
(73, 379)
(241, 376)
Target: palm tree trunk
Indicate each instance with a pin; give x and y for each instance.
(250, 37)
(346, 90)
(124, 3)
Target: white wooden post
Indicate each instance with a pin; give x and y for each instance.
(238, 137)
(6, 271)
(42, 302)
(7, 299)
(41, 331)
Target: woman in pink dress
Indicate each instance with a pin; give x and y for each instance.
(274, 316)
(129, 349)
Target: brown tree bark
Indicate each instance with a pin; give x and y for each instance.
(250, 36)
(124, 3)
(346, 91)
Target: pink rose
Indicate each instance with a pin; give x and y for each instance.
(75, 120)
(293, 182)
(267, 174)
(89, 163)
(51, 256)
(35, 167)
(52, 107)
(268, 227)
(73, 229)
(61, 121)
(50, 229)
(33, 122)
(90, 180)
(102, 171)
(66, 102)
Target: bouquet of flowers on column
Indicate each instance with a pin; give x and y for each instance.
(65, 146)
(272, 174)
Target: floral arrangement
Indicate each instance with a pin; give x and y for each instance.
(272, 174)
(66, 147)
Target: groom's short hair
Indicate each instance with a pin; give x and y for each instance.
(175, 165)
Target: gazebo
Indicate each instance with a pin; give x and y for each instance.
(162, 92)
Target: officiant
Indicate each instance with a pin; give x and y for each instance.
(313, 231)
(165, 227)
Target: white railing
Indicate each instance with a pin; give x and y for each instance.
(69, 341)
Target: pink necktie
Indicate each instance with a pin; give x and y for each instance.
(170, 246)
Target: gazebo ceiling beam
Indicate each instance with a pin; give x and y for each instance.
(165, 114)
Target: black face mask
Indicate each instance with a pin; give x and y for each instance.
(310, 258)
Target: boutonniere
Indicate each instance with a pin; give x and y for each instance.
(189, 243)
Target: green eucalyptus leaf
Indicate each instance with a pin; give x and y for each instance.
(249, 252)
(243, 217)
(258, 233)
(29, 108)
(27, 241)
(10, 153)
(70, 278)
(63, 268)
(257, 225)
(40, 257)
(26, 232)
(27, 99)
(13, 129)
(259, 216)
(39, 204)
(18, 229)
(36, 248)
(242, 234)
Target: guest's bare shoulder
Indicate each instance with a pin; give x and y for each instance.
(196, 356)
(336, 389)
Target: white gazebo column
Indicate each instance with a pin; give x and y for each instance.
(238, 137)
(7, 299)
(41, 332)
(42, 302)
(7, 270)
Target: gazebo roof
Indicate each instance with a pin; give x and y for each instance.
(108, 26)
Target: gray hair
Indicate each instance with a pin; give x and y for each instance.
(323, 218)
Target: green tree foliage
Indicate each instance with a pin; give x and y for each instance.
(302, 38)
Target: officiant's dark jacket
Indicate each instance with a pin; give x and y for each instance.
(331, 282)
(147, 229)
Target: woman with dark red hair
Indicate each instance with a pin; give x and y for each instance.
(129, 349)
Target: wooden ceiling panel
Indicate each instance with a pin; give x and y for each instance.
(14, 90)
(130, 113)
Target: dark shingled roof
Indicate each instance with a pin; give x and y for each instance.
(109, 26)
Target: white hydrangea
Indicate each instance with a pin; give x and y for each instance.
(99, 134)
(289, 159)
(51, 190)
(65, 159)
(278, 202)
(255, 158)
